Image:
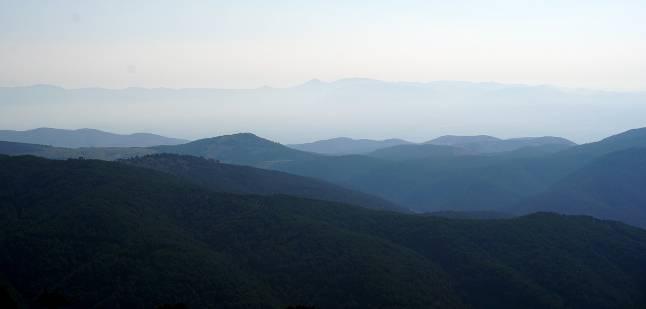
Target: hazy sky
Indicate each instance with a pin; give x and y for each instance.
(244, 44)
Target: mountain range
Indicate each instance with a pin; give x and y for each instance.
(480, 144)
(467, 182)
(347, 107)
(490, 144)
(423, 177)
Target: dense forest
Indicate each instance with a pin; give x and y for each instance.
(92, 233)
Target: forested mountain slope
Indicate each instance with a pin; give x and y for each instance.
(240, 179)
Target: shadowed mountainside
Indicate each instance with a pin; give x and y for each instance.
(222, 177)
(611, 187)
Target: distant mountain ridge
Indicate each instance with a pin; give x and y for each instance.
(490, 144)
(452, 140)
(471, 144)
(339, 106)
(86, 138)
(452, 146)
(426, 182)
(346, 145)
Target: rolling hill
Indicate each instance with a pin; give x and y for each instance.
(12, 149)
(241, 148)
(85, 138)
(97, 153)
(106, 234)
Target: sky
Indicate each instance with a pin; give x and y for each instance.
(248, 44)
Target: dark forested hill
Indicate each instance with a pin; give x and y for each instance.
(611, 187)
(240, 179)
(105, 234)
(12, 148)
(85, 138)
(50, 152)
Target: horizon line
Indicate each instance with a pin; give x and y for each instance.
(316, 81)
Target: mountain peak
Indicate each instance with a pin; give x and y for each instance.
(237, 137)
(239, 148)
